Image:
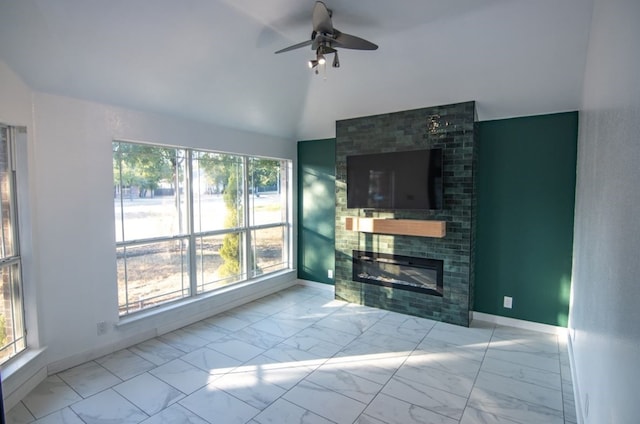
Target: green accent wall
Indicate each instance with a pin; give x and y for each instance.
(526, 180)
(526, 177)
(316, 209)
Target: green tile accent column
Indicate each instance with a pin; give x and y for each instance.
(452, 128)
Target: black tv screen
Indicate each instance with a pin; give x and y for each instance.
(398, 180)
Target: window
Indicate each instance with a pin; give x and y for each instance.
(268, 217)
(219, 219)
(12, 331)
(191, 221)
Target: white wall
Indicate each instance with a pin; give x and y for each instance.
(75, 221)
(15, 98)
(72, 274)
(16, 110)
(605, 314)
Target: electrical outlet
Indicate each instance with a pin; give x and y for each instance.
(330, 273)
(508, 302)
(102, 328)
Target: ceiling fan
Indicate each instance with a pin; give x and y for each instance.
(325, 39)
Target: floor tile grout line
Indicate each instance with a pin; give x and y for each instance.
(59, 375)
(511, 361)
(564, 414)
(475, 380)
(94, 394)
(315, 369)
(286, 390)
(294, 386)
(521, 381)
(562, 383)
(393, 375)
(326, 388)
(67, 406)
(522, 365)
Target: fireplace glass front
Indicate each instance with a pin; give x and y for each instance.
(399, 272)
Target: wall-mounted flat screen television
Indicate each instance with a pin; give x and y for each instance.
(398, 180)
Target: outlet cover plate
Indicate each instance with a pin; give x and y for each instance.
(102, 328)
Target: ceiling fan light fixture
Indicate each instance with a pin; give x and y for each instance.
(325, 39)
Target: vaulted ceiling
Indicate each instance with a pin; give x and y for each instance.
(214, 61)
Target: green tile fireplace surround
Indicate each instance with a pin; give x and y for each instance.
(525, 189)
(451, 128)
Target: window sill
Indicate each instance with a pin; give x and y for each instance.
(214, 302)
(21, 374)
(18, 362)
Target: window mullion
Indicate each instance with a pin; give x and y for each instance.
(121, 191)
(247, 265)
(192, 253)
(283, 184)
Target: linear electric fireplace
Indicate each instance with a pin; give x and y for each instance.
(420, 275)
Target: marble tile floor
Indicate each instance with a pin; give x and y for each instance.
(299, 356)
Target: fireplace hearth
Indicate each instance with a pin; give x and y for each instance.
(420, 275)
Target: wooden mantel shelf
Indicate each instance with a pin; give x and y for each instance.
(404, 227)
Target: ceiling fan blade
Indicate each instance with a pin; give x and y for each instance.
(295, 46)
(348, 41)
(322, 19)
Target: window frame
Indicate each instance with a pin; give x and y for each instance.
(12, 263)
(245, 230)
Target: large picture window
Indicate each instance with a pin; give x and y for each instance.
(191, 221)
(12, 330)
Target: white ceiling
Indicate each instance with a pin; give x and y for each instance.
(214, 61)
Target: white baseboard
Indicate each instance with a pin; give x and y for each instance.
(89, 355)
(574, 377)
(159, 321)
(478, 316)
(315, 284)
(518, 323)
